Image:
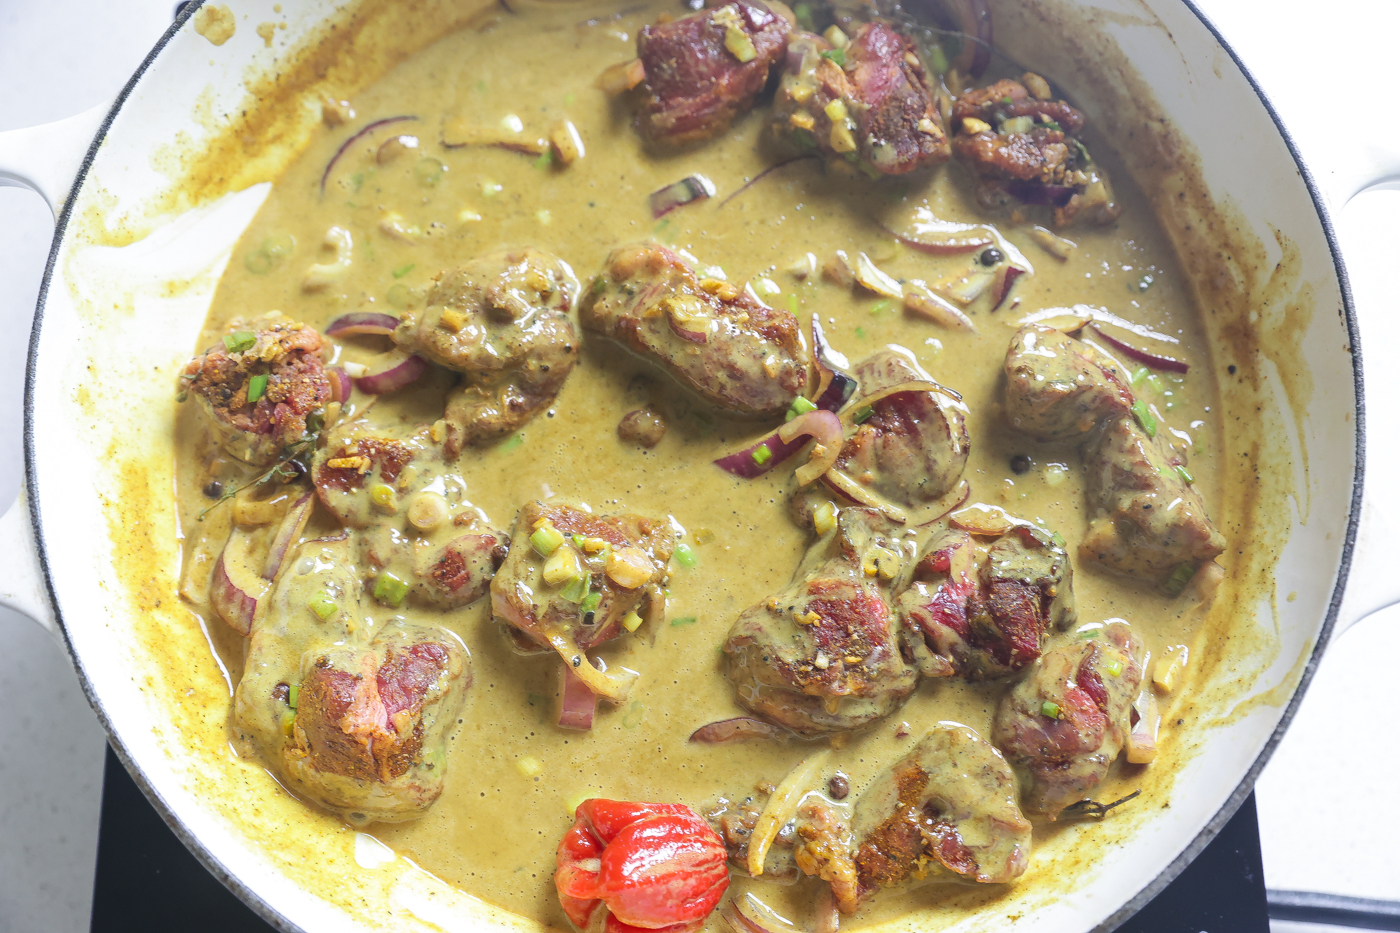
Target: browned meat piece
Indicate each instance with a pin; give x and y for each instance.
(368, 720)
(822, 656)
(357, 724)
(503, 322)
(1059, 388)
(440, 575)
(732, 349)
(704, 70)
(945, 812)
(983, 612)
(875, 109)
(571, 578)
(642, 427)
(906, 448)
(352, 466)
(278, 362)
(1146, 518)
(1068, 719)
(1028, 149)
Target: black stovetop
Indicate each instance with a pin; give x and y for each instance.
(148, 882)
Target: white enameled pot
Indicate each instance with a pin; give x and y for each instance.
(129, 281)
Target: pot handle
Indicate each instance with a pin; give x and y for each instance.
(22, 588)
(1372, 581)
(46, 158)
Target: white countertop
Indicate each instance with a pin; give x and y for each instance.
(1327, 809)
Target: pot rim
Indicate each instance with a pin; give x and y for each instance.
(1203, 838)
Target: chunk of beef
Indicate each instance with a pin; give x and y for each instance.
(705, 69)
(503, 322)
(440, 574)
(368, 736)
(1059, 388)
(945, 812)
(350, 468)
(356, 722)
(1067, 720)
(623, 560)
(875, 109)
(283, 357)
(985, 613)
(1028, 149)
(1146, 519)
(822, 656)
(732, 349)
(910, 447)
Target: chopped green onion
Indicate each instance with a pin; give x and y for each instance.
(510, 443)
(599, 285)
(860, 332)
(576, 590)
(293, 694)
(239, 341)
(390, 589)
(546, 539)
(836, 55)
(1058, 538)
(792, 303)
(402, 271)
(1114, 667)
(1138, 375)
(880, 307)
(631, 621)
(761, 456)
(545, 160)
(634, 715)
(683, 620)
(937, 59)
(1050, 708)
(864, 414)
(256, 387)
(1144, 418)
(739, 44)
(590, 602)
(1185, 475)
(1180, 577)
(803, 13)
(684, 555)
(1082, 150)
(800, 406)
(322, 605)
(1006, 100)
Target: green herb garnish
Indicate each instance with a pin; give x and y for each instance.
(836, 55)
(323, 605)
(1050, 708)
(293, 694)
(1181, 576)
(1144, 418)
(1185, 474)
(402, 271)
(576, 590)
(683, 620)
(863, 415)
(684, 555)
(546, 540)
(257, 387)
(761, 456)
(800, 406)
(591, 602)
(239, 341)
(390, 589)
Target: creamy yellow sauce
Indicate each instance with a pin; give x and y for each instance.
(493, 832)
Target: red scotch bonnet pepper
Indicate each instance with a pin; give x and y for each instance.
(648, 866)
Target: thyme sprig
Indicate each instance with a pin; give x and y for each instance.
(1098, 811)
(287, 468)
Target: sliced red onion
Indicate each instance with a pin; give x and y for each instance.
(976, 22)
(765, 173)
(1142, 740)
(872, 277)
(577, 704)
(822, 426)
(340, 384)
(362, 322)
(688, 190)
(685, 333)
(621, 77)
(287, 534)
(393, 378)
(352, 140)
(923, 301)
(837, 392)
(234, 591)
(827, 355)
(742, 464)
(1156, 361)
(980, 519)
(943, 237)
(836, 385)
(738, 729)
(1008, 278)
(1033, 192)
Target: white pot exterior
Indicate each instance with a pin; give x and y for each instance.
(112, 333)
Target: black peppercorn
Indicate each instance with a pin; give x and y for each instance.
(1020, 464)
(214, 489)
(991, 256)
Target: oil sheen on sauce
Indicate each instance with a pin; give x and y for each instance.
(493, 832)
